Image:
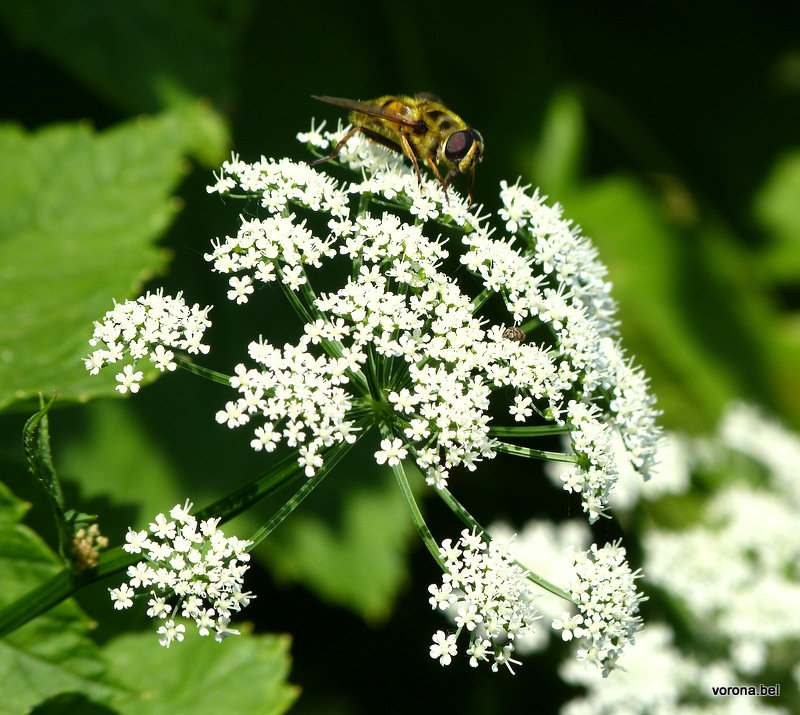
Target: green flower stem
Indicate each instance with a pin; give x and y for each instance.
(363, 202)
(332, 457)
(528, 430)
(274, 479)
(205, 372)
(458, 509)
(480, 299)
(306, 312)
(66, 582)
(535, 453)
(416, 515)
(373, 381)
(59, 587)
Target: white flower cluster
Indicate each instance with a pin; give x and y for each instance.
(734, 576)
(492, 599)
(398, 306)
(559, 282)
(737, 571)
(280, 183)
(452, 363)
(146, 328)
(543, 546)
(311, 410)
(402, 335)
(190, 566)
(659, 679)
(604, 589)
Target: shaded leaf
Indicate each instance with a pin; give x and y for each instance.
(143, 56)
(349, 541)
(52, 654)
(776, 208)
(244, 674)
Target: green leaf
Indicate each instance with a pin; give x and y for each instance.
(244, 674)
(348, 542)
(557, 159)
(144, 55)
(80, 212)
(52, 662)
(36, 442)
(776, 208)
(122, 469)
(52, 654)
(669, 287)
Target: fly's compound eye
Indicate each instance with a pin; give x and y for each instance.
(459, 143)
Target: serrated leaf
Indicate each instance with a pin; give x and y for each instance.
(36, 443)
(182, 50)
(80, 212)
(244, 674)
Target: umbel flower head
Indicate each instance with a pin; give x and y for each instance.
(491, 596)
(417, 338)
(401, 309)
(189, 568)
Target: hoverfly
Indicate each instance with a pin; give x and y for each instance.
(420, 127)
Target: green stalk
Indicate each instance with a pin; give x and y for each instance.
(534, 453)
(528, 430)
(205, 372)
(332, 457)
(306, 312)
(416, 515)
(458, 508)
(480, 299)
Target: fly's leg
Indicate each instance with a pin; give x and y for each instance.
(346, 138)
(443, 182)
(411, 155)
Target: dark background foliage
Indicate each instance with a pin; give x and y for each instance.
(668, 131)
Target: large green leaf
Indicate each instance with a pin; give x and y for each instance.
(80, 212)
(244, 674)
(121, 470)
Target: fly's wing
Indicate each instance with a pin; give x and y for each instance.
(430, 97)
(373, 110)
